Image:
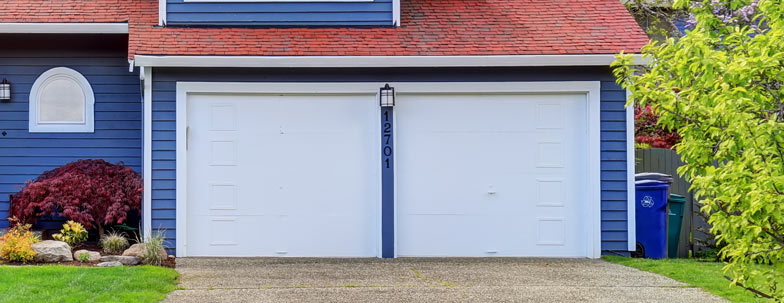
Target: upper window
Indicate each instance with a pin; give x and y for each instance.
(61, 100)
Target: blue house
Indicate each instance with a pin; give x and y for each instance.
(367, 128)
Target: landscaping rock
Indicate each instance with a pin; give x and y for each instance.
(52, 251)
(109, 264)
(94, 255)
(136, 251)
(125, 260)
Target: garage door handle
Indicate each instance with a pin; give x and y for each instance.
(187, 137)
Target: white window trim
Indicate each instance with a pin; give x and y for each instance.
(396, 12)
(590, 88)
(162, 11)
(88, 126)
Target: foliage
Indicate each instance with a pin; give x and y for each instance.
(720, 87)
(59, 283)
(92, 192)
(72, 233)
(114, 243)
(17, 244)
(153, 244)
(84, 257)
(648, 132)
(706, 275)
(656, 17)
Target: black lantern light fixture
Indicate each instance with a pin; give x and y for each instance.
(5, 90)
(387, 96)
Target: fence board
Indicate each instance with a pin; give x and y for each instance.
(667, 161)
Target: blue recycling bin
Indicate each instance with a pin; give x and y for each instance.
(651, 214)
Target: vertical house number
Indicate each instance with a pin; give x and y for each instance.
(387, 137)
(387, 184)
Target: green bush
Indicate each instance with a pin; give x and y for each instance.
(84, 257)
(114, 243)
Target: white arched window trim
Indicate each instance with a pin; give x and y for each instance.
(85, 125)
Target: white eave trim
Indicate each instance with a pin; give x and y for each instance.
(376, 61)
(64, 28)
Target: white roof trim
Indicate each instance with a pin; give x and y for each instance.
(376, 61)
(64, 28)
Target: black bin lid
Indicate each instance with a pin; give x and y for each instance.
(653, 177)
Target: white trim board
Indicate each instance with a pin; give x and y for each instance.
(590, 88)
(147, 160)
(375, 61)
(396, 13)
(64, 28)
(631, 225)
(162, 12)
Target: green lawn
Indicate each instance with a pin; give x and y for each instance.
(57, 283)
(706, 275)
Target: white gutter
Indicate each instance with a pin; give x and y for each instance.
(64, 28)
(375, 61)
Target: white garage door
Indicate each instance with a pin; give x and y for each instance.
(293, 175)
(492, 175)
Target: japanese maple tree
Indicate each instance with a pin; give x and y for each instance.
(94, 193)
(648, 132)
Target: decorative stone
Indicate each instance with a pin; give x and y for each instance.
(125, 260)
(52, 251)
(94, 255)
(137, 249)
(109, 264)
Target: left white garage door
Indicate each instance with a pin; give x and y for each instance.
(292, 175)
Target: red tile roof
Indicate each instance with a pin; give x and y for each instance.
(66, 11)
(429, 27)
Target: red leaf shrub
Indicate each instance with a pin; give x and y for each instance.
(647, 131)
(94, 193)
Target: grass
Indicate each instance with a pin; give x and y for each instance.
(706, 275)
(57, 283)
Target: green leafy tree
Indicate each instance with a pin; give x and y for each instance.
(720, 86)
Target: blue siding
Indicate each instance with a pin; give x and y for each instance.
(118, 117)
(372, 13)
(613, 118)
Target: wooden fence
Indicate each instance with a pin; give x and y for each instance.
(667, 161)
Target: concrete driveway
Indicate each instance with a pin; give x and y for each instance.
(423, 280)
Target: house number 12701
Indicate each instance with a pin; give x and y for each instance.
(387, 137)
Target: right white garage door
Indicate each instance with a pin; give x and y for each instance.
(492, 175)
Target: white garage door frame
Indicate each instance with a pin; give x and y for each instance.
(590, 88)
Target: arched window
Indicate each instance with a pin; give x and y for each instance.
(61, 101)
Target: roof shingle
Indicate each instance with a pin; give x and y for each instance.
(429, 28)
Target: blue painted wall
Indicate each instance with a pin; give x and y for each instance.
(367, 13)
(613, 122)
(117, 137)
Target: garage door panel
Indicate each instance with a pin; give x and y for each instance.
(288, 173)
(507, 172)
(434, 241)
